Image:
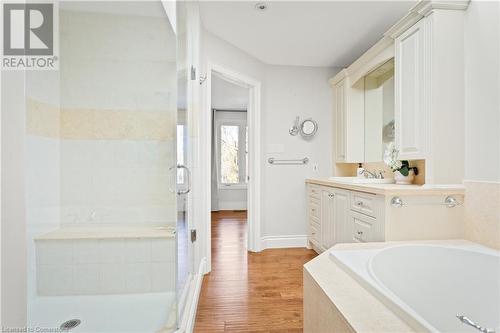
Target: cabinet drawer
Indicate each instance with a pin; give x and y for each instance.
(365, 228)
(314, 208)
(314, 233)
(362, 228)
(314, 191)
(314, 221)
(363, 203)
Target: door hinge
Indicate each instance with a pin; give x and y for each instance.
(193, 73)
(193, 235)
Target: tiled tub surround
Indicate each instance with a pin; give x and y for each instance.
(91, 261)
(482, 213)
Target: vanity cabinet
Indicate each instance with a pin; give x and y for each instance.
(341, 216)
(347, 213)
(411, 82)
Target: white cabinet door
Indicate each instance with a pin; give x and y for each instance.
(335, 227)
(327, 218)
(341, 216)
(411, 78)
(340, 109)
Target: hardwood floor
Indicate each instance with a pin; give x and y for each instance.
(250, 292)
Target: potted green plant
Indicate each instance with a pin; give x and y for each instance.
(403, 172)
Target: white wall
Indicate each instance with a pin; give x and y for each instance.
(43, 161)
(482, 123)
(482, 91)
(290, 92)
(287, 91)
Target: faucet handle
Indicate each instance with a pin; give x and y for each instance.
(380, 174)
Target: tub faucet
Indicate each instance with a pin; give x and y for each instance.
(469, 322)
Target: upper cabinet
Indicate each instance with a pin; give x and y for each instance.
(411, 81)
(429, 91)
(348, 119)
(356, 122)
(427, 46)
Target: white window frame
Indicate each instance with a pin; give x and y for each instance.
(241, 160)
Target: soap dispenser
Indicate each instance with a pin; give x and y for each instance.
(360, 170)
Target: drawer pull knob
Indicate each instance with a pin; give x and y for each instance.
(360, 233)
(331, 195)
(359, 203)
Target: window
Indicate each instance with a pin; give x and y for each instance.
(233, 153)
(229, 147)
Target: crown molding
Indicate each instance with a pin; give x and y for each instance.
(338, 77)
(422, 9)
(358, 66)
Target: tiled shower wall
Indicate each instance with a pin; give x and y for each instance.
(43, 195)
(117, 120)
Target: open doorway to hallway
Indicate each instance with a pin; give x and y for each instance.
(229, 176)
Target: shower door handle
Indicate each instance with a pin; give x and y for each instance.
(188, 179)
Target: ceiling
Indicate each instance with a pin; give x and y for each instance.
(303, 33)
(227, 95)
(152, 8)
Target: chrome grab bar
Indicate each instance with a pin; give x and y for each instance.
(469, 322)
(274, 161)
(449, 202)
(188, 178)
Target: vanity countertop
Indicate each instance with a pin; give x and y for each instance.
(392, 189)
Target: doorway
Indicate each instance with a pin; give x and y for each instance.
(232, 151)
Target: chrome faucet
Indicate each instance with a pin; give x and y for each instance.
(374, 174)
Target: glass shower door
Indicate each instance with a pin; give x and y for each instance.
(185, 237)
(102, 209)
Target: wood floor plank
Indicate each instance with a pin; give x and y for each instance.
(250, 292)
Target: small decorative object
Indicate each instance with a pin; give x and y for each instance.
(308, 128)
(403, 173)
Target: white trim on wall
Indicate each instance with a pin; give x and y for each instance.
(187, 322)
(285, 241)
(254, 183)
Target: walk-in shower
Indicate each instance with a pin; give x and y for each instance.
(108, 247)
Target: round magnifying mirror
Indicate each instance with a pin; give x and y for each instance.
(308, 128)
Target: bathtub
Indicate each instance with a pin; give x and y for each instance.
(428, 285)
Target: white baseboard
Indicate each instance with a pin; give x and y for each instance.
(277, 242)
(187, 322)
(232, 205)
